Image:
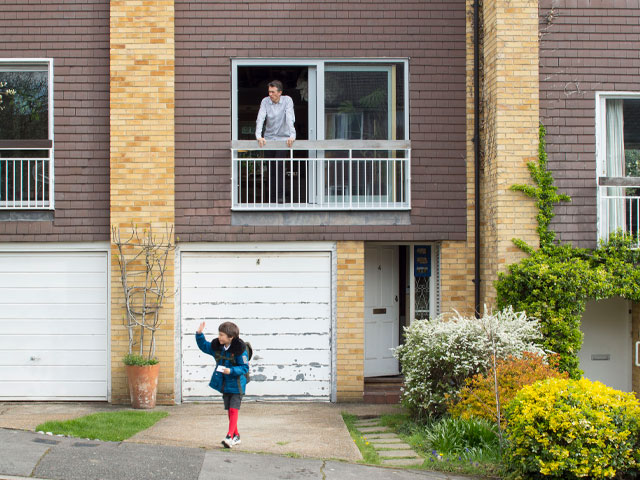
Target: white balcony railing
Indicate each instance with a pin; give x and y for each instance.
(619, 209)
(322, 175)
(27, 183)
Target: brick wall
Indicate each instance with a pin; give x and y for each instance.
(350, 321)
(585, 47)
(209, 34)
(75, 33)
(510, 98)
(142, 160)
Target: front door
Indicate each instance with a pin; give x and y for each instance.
(381, 310)
(605, 355)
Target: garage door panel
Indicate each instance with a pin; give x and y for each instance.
(257, 295)
(266, 372)
(20, 358)
(266, 357)
(35, 342)
(292, 388)
(277, 342)
(52, 262)
(53, 327)
(44, 311)
(48, 390)
(46, 280)
(257, 263)
(52, 295)
(242, 280)
(282, 303)
(67, 373)
(257, 326)
(252, 310)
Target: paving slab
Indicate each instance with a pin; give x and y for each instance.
(376, 441)
(375, 429)
(380, 435)
(397, 453)
(391, 446)
(404, 462)
(82, 460)
(364, 423)
(231, 464)
(20, 454)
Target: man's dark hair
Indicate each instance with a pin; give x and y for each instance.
(230, 329)
(277, 84)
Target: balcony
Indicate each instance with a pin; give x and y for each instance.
(619, 207)
(322, 175)
(26, 176)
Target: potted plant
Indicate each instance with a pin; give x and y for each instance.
(142, 258)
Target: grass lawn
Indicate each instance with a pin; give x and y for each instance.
(107, 426)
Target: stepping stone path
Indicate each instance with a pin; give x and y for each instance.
(389, 447)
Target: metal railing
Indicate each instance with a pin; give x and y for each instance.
(27, 183)
(322, 175)
(619, 210)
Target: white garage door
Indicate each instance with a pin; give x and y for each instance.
(53, 325)
(282, 304)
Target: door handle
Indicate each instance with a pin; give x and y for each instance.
(637, 352)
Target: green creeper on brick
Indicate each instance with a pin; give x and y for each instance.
(555, 281)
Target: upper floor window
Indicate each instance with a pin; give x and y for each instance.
(351, 129)
(618, 164)
(26, 134)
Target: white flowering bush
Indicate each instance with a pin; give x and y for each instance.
(439, 355)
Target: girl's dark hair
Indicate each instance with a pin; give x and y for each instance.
(230, 329)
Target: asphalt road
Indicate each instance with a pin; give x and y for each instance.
(31, 455)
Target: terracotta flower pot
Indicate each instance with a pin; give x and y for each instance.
(143, 385)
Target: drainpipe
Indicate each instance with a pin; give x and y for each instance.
(476, 141)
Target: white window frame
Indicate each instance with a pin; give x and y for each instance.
(320, 67)
(601, 142)
(38, 64)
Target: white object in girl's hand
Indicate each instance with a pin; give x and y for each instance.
(221, 368)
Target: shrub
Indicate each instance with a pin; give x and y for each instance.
(138, 360)
(439, 355)
(566, 429)
(477, 398)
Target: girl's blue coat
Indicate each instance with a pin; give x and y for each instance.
(236, 358)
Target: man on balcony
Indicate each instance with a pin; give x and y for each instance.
(277, 111)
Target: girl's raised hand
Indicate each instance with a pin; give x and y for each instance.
(200, 328)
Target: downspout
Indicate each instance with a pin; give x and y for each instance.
(476, 141)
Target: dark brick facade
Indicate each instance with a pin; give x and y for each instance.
(75, 33)
(585, 47)
(431, 34)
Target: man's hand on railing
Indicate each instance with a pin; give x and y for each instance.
(262, 142)
(290, 142)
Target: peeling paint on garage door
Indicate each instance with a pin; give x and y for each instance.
(282, 303)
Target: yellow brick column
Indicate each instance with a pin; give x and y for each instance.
(510, 101)
(142, 69)
(350, 321)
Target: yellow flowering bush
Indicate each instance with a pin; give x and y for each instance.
(569, 429)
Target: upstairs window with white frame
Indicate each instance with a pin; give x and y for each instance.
(26, 134)
(618, 164)
(352, 148)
